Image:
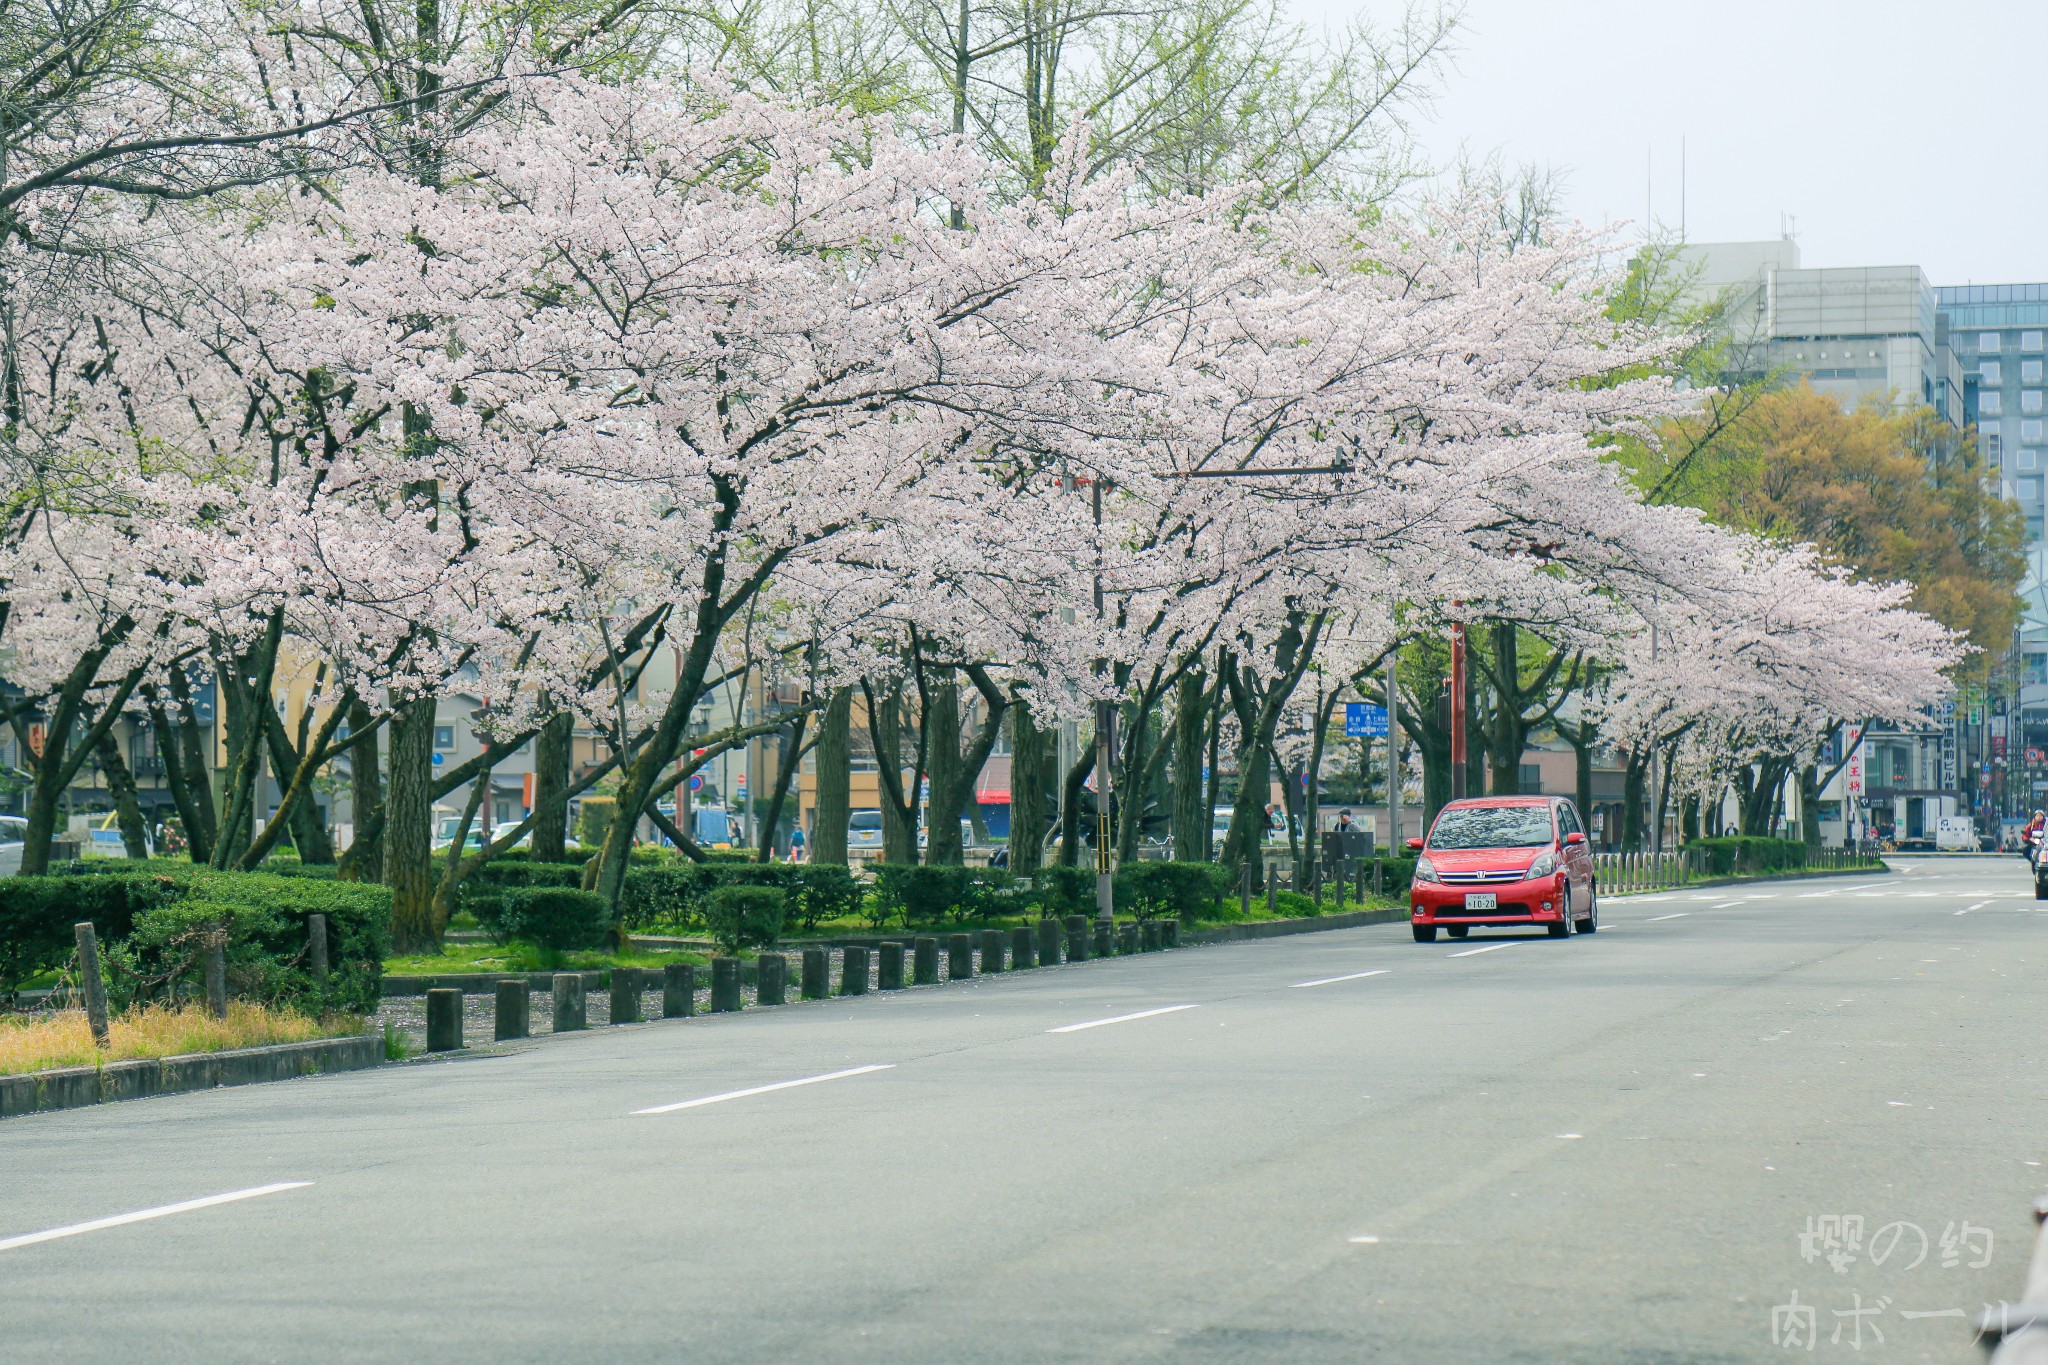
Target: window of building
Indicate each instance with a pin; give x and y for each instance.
(2030, 432)
(1988, 372)
(444, 736)
(1993, 444)
(2030, 490)
(2030, 341)
(2030, 400)
(2029, 459)
(1988, 342)
(2030, 372)
(1990, 402)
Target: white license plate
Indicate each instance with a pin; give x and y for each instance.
(1481, 900)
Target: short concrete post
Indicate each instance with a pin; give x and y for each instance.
(1105, 939)
(725, 985)
(817, 982)
(316, 947)
(1170, 932)
(771, 979)
(959, 957)
(925, 962)
(992, 950)
(678, 990)
(1272, 889)
(216, 954)
(1127, 938)
(568, 1001)
(1049, 942)
(625, 995)
(1244, 891)
(889, 967)
(91, 984)
(853, 971)
(1023, 948)
(444, 1019)
(1149, 936)
(1078, 938)
(514, 1017)
(1361, 885)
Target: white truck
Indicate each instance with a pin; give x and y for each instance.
(1956, 834)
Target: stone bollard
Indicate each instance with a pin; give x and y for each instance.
(925, 962)
(992, 950)
(678, 990)
(515, 1009)
(1105, 939)
(568, 1001)
(1023, 948)
(1127, 938)
(889, 967)
(625, 995)
(817, 982)
(316, 947)
(1049, 942)
(959, 957)
(1170, 933)
(1273, 889)
(216, 952)
(444, 1019)
(853, 972)
(91, 983)
(1077, 938)
(771, 979)
(725, 985)
(1149, 936)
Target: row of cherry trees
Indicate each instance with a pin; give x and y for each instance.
(662, 369)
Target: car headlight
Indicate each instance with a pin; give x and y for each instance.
(1425, 871)
(1545, 864)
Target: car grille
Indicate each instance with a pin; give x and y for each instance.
(1483, 878)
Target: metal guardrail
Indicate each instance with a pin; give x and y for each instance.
(2017, 1333)
(1622, 874)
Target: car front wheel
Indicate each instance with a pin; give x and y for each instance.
(1424, 933)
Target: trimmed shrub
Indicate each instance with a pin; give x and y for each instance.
(919, 896)
(1064, 890)
(593, 818)
(1732, 854)
(482, 892)
(560, 919)
(743, 917)
(672, 895)
(36, 915)
(1169, 890)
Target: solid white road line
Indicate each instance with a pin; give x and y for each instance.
(764, 1089)
(1489, 948)
(1333, 980)
(1680, 915)
(1725, 904)
(1120, 1019)
(120, 1220)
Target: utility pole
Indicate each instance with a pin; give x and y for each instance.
(1393, 756)
(1457, 710)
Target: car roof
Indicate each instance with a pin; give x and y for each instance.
(1496, 802)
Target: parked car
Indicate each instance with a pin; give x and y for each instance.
(1511, 861)
(13, 838)
(864, 829)
(100, 843)
(505, 827)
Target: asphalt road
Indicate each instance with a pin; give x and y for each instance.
(1602, 1149)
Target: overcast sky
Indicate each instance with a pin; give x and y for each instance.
(1891, 132)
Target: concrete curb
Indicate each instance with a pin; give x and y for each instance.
(73, 1087)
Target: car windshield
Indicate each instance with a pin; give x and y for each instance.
(1492, 827)
(865, 819)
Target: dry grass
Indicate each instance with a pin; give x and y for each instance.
(37, 1042)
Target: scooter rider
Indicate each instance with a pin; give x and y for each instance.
(2030, 837)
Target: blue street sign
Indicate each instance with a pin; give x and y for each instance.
(697, 782)
(437, 760)
(1363, 720)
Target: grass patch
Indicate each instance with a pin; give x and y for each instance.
(39, 1042)
(523, 957)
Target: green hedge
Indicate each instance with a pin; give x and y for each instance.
(1169, 890)
(1064, 890)
(673, 895)
(743, 916)
(916, 896)
(557, 918)
(483, 891)
(1732, 854)
(263, 913)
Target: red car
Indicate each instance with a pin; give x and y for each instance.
(1503, 860)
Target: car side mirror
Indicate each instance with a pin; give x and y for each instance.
(1575, 838)
(1415, 843)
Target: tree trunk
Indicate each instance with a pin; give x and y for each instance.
(409, 828)
(1030, 766)
(1073, 783)
(185, 775)
(942, 746)
(835, 781)
(1312, 794)
(1809, 805)
(553, 748)
(1634, 781)
(121, 782)
(1191, 819)
(309, 831)
(790, 757)
(899, 803)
